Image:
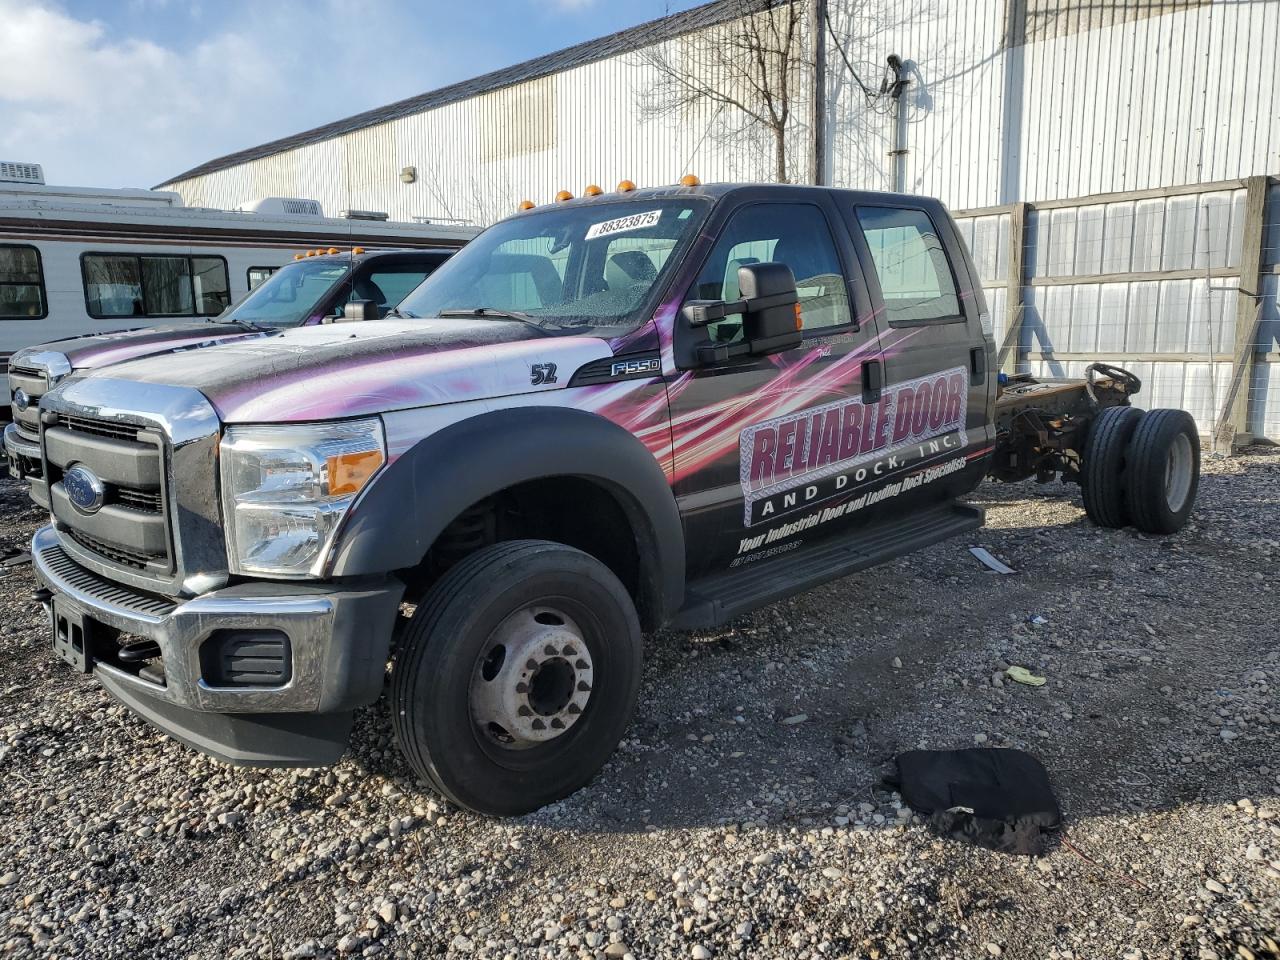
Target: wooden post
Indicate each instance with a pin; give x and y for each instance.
(1255, 202)
(1011, 348)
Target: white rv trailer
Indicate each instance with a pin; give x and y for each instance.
(76, 260)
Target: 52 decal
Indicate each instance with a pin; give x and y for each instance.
(541, 373)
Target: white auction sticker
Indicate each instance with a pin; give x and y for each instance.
(636, 221)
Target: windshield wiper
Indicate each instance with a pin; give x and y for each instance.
(540, 323)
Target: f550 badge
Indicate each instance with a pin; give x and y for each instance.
(631, 368)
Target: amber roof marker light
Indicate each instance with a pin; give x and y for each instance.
(357, 250)
(526, 205)
(592, 191)
(563, 195)
(689, 180)
(625, 186)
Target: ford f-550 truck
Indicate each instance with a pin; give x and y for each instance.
(603, 416)
(320, 287)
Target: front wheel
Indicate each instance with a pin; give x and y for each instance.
(516, 676)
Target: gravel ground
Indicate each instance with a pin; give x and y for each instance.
(744, 816)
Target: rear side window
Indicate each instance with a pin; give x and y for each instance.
(915, 277)
(21, 283)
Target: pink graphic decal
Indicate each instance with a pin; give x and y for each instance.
(702, 436)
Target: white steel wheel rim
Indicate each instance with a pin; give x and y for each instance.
(532, 680)
(1177, 473)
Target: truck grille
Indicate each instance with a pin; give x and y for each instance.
(141, 461)
(100, 428)
(128, 527)
(34, 384)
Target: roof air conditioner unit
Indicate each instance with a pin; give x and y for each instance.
(11, 172)
(364, 215)
(285, 207)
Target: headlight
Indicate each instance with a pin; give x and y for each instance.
(285, 489)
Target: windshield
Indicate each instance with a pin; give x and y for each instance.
(583, 266)
(290, 295)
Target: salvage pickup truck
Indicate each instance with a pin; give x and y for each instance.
(607, 415)
(319, 287)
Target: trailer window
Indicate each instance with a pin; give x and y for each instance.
(257, 275)
(21, 283)
(154, 285)
(915, 276)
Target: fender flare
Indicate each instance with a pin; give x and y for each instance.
(406, 507)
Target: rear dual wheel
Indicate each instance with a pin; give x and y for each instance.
(1163, 471)
(1141, 468)
(516, 676)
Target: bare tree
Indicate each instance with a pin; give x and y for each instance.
(748, 71)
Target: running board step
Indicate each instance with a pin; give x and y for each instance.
(717, 599)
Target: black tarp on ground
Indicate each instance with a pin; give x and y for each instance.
(996, 798)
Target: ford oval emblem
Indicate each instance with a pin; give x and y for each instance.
(84, 489)
(20, 400)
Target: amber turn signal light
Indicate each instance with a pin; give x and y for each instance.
(349, 472)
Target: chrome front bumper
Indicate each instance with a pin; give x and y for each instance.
(17, 446)
(338, 642)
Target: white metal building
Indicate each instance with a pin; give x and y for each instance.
(1111, 159)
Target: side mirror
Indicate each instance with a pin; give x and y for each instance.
(770, 321)
(358, 310)
(354, 312)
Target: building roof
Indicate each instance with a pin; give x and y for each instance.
(591, 51)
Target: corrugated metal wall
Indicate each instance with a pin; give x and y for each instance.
(1009, 100)
(1103, 97)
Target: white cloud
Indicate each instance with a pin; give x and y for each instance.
(106, 111)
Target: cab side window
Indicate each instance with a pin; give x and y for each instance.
(915, 277)
(387, 286)
(796, 234)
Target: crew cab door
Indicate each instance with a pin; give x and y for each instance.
(736, 424)
(938, 354)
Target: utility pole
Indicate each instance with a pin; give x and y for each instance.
(818, 173)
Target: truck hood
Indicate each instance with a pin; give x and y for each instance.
(355, 369)
(100, 349)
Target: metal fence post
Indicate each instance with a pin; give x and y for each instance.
(1011, 348)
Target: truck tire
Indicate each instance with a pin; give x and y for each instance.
(1102, 472)
(516, 676)
(1164, 471)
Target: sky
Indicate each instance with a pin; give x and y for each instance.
(128, 93)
